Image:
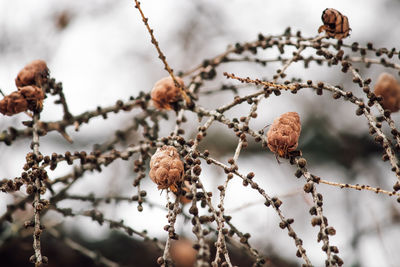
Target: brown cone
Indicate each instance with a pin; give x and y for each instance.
(182, 253)
(34, 73)
(335, 25)
(389, 88)
(34, 96)
(165, 94)
(13, 103)
(284, 133)
(166, 168)
(27, 97)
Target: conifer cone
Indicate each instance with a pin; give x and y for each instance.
(389, 88)
(166, 168)
(27, 97)
(182, 253)
(34, 73)
(13, 103)
(34, 96)
(335, 25)
(165, 94)
(283, 136)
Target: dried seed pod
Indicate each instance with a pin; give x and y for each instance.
(34, 73)
(13, 103)
(389, 88)
(335, 25)
(182, 253)
(165, 94)
(284, 133)
(166, 168)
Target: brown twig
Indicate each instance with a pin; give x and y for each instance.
(361, 187)
(160, 53)
(38, 259)
(95, 256)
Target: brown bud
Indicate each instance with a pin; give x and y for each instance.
(165, 94)
(166, 168)
(335, 25)
(183, 199)
(388, 87)
(284, 133)
(34, 73)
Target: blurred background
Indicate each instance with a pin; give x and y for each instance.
(101, 52)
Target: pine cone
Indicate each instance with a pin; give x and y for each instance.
(389, 88)
(284, 134)
(34, 96)
(34, 73)
(166, 168)
(27, 97)
(165, 94)
(182, 253)
(13, 103)
(335, 25)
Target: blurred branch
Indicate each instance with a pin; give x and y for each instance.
(95, 256)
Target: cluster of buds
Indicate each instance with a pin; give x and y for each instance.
(283, 136)
(165, 94)
(186, 190)
(335, 25)
(166, 168)
(30, 94)
(389, 89)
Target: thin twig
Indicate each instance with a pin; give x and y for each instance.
(36, 202)
(172, 214)
(95, 256)
(361, 187)
(160, 53)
